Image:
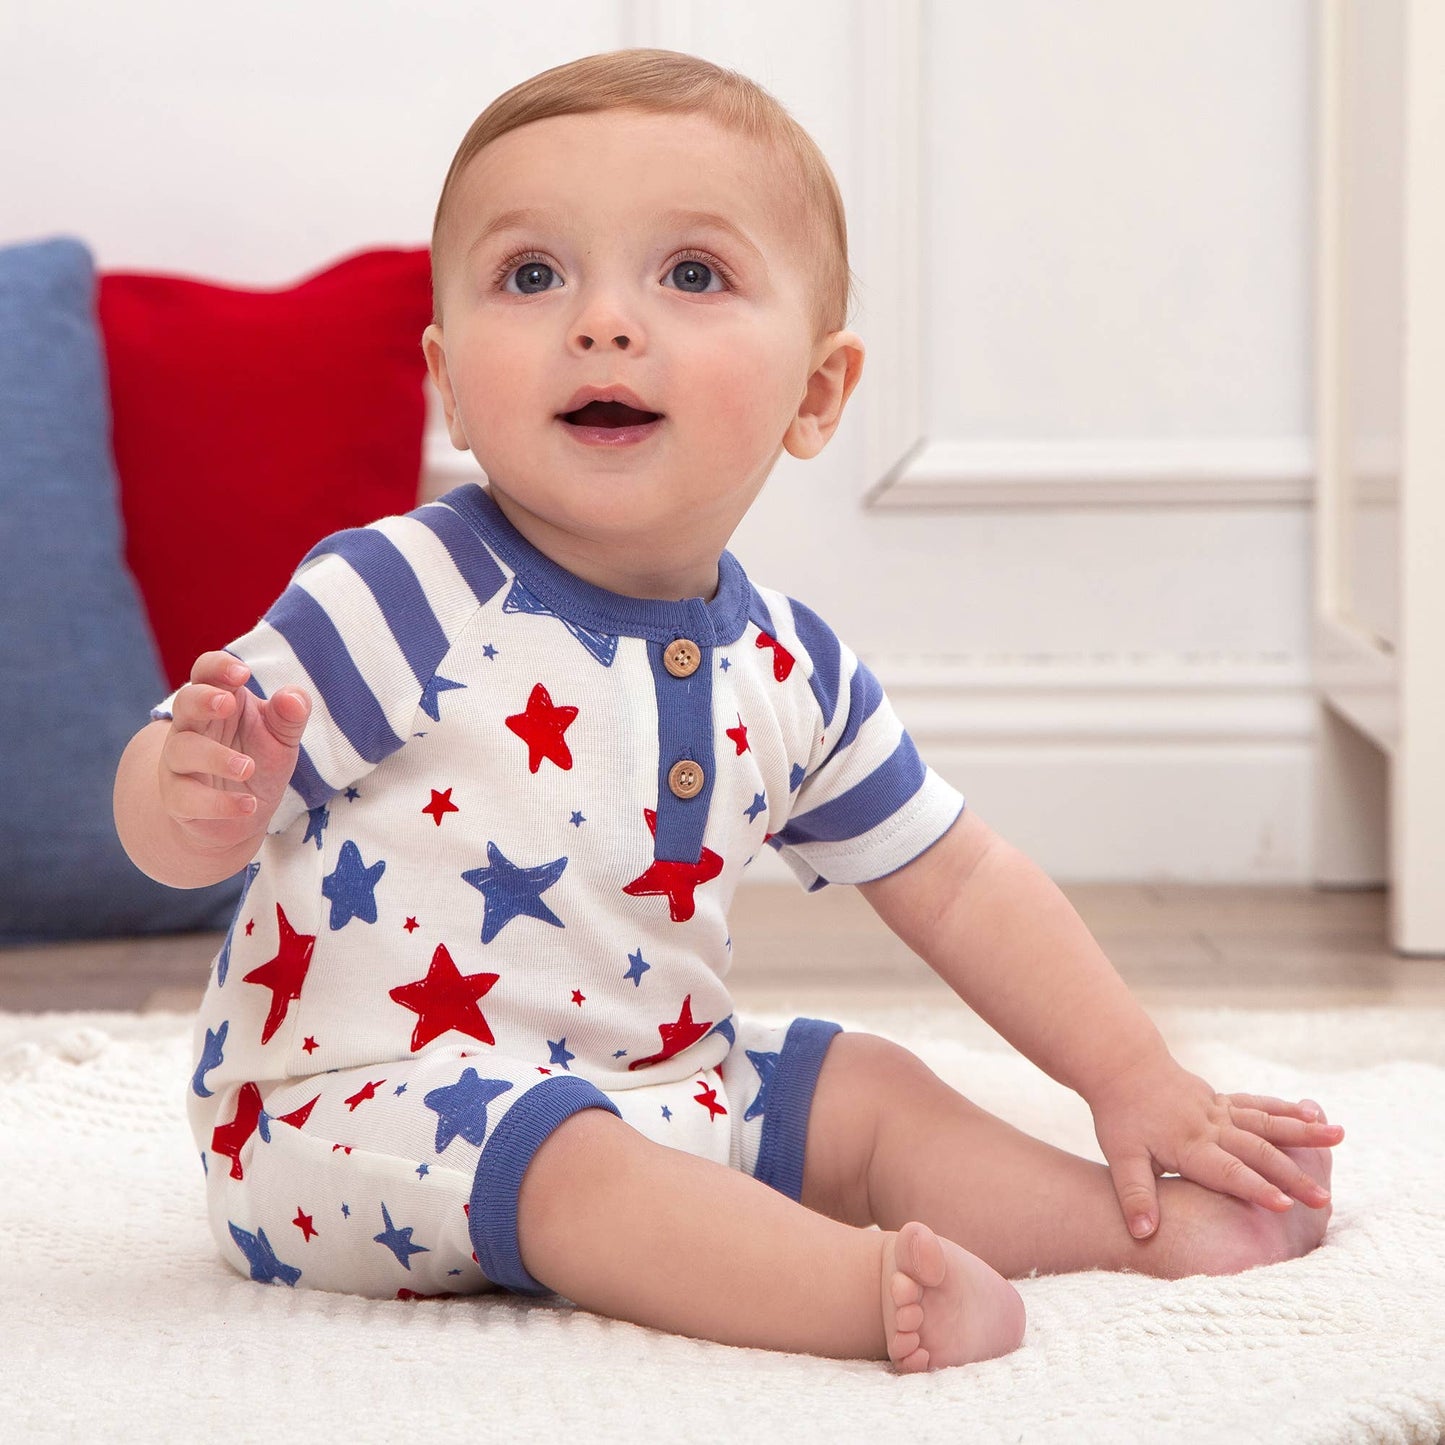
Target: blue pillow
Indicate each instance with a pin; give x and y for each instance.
(78, 664)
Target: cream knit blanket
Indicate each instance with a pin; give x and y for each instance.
(118, 1320)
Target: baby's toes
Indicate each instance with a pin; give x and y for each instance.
(921, 1255)
(1318, 1162)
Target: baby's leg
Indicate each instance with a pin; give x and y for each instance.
(640, 1231)
(1013, 1200)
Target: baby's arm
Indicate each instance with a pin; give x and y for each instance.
(1000, 932)
(193, 795)
(1003, 936)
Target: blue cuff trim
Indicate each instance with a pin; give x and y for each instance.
(492, 1219)
(790, 1098)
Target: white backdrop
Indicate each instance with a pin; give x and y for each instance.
(1109, 244)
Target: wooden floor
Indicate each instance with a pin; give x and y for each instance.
(1176, 944)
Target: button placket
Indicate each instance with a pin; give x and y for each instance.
(682, 678)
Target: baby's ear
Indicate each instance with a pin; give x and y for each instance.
(436, 365)
(828, 389)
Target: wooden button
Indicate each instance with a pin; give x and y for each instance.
(681, 658)
(685, 779)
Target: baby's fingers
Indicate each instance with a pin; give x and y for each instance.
(1304, 1109)
(1282, 1131)
(1226, 1172)
(1284, 1175)
(189, 801)
(193, 754)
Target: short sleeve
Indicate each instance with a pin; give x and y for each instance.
(363, 626)
(865, 803)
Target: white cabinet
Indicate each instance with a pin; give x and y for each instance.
(1379, 604)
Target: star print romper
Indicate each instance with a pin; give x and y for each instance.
(496, 892)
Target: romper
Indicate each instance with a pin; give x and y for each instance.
(496, 889)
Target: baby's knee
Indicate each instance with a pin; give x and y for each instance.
(586, 1146)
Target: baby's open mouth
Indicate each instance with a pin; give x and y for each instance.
(608, 413)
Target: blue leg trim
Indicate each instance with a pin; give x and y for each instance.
(790, 1097)
(492, 1219)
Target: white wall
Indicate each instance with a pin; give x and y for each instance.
(1083, 233)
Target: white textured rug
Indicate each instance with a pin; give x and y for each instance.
(118, 1321)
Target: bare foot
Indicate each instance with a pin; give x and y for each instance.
(1219, 1234)
(942, 1305)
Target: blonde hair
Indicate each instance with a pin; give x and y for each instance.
(664, 81)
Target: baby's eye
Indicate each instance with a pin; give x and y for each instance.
(535, 276)
(694, 273)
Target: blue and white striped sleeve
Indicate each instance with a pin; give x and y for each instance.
(865, 803)
(363, 626)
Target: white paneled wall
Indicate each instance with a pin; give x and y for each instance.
(1077, 474)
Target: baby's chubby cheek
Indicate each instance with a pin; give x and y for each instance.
(740, 414)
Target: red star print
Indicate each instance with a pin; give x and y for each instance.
(676, 880)
(297, 1117)
(346, 1147)
(229, 1139)
(250, 925)
(676, 1036)
(441, 804)
(541, 728)
(411, 925)
(303, 1223)
(310, 1045)
(577, 997)
(708, 1099)
(365, 1092)
(739, 735)
(445, 999)
(284, 974)
(782, 658)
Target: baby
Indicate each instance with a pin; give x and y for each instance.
(495, 768)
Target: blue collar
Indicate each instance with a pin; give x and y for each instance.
(716, 623)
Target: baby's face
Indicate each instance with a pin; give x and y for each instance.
(606, 286)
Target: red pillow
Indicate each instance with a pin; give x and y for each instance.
(249, 424)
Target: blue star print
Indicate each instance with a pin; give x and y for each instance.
(511, 891)
(316, 821)
(766, 1065)
(265, 1267)
(211, 1056)
(224, 962)
(398, 1241)
(489, 652)
(559, 1052)
(437, 684)
(639, 967)
(796, 777)
(461, 1108)
(577, 820)
(352, 888)
(760, 801)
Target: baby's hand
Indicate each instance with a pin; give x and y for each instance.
(1158, 1118)
(228, 756)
